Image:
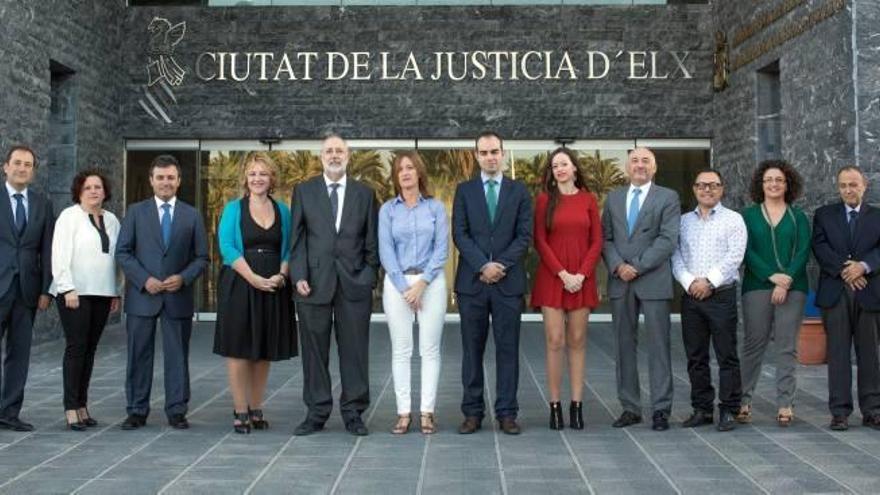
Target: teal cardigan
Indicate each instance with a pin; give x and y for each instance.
(229, 232)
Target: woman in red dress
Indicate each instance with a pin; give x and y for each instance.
(568, 238)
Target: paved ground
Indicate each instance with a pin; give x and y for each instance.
(209, 458)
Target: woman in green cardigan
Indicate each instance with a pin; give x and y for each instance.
(775, 282)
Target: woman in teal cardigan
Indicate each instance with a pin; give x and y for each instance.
(775, 282)
(255, 317)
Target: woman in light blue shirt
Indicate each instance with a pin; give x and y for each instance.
(413, 247)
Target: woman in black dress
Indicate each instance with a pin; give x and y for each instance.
(255, 317)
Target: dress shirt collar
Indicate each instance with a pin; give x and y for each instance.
(718, 208)
(399, 199)
(486, 178)
(160, 202)
(644, 188)
(11, 190)
(857, 209)
(341, 181)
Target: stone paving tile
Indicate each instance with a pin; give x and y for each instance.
(760, 458)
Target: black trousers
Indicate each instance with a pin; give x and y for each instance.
(475, 310)
(846, 324)
(16, 333)
(83, 327)
(351, 321)
(712, 320)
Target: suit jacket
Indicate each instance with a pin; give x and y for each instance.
(479, 241)
(326, 258)
(832, 248)
(29, 255)
(650, 247)
(142, 254)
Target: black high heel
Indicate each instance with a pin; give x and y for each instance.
(88, 420)
(77, 425)
(242, 422)
(556, 422)
(576, 415)
(257, 420)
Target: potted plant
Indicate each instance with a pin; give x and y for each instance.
(811, 347)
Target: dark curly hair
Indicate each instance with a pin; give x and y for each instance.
(794, 184)
(80, 180)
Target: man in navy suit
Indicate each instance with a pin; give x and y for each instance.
(162, 249)
(492, 228)
(846, 242)
(25, 275)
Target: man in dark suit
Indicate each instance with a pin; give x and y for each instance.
(846, 242)
(162, 249)
(333, 263)
(641, 223)
(492, 228)
(25, 275)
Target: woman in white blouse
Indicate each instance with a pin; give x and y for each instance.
(86, 285)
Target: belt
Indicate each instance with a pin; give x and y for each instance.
(261, 250)
(725, 287)
(413, 271)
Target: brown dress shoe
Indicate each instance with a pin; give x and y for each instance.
(509, 426)
(470, 425)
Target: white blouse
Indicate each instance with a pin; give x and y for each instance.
(78, 261)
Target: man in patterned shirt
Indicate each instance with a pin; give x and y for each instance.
(706, 263)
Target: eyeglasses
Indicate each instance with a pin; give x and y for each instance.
(707, 186)
(775, 180)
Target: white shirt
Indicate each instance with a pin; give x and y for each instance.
(160, 202)
(78, 262)
(12, 201)
(711, 247)
(340, 193)
(644, 194)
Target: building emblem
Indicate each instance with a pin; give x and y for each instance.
(163, 71)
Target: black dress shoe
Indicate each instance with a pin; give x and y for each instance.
(871, 421)
(556, 422)
(90, 422)
(356, 427)
(576, 415)
(178, 422)
(133, 422)
(628, 418)
(509, 426)
(471, 424)
(726, 421)
(15, 424)
(698, 418)
(661, 421)
(839, 423)
(307, 427)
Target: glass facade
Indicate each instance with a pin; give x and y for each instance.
(210, 178)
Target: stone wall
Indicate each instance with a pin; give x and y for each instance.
(818, 118)
(868, 43)
(83, 36)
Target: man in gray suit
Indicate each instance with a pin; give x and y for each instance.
(25, 275)
(162, 248)
(333, 263)
(641, 223)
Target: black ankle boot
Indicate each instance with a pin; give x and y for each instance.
(576, 415)
(556, 422)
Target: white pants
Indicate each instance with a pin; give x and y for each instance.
(400, 321)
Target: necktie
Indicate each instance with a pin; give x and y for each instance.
(20, 215)
(633, 211)
(492, 199)
(334, 200)
(853, 218)
(166, 224)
